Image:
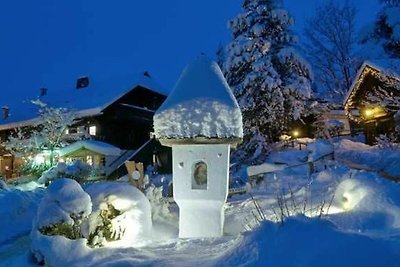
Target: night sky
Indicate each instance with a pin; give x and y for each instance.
(51, 43)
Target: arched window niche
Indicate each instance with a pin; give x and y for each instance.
(199, 175)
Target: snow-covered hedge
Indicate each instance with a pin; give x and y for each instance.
(121, 213)
(63, 208)
(106, 214)
(76, 170)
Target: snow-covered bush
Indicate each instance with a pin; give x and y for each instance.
(76, 170)
(334, 127)
(61, 212)
(387, 141)
(33, 169)
(121, 215)
(109, 214)
(397, 120)
(159, 205)
(253, 150)
(328, 128)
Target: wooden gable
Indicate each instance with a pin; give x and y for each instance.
(369, 90)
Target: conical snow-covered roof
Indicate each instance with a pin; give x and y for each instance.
(201, 106)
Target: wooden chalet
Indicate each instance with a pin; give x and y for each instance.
(368, 104)
(119, 113)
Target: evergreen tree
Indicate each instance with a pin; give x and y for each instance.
(381, 40)
(270, 81)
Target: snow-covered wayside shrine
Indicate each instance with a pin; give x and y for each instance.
(312, 203)
(281, 150)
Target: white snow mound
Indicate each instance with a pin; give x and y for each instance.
(63, 198)
(134, 223)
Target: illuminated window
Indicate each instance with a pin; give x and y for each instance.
(66, 131)
(199, 176)
(89, 160)
(92, 130)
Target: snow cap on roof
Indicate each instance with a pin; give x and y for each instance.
(92, 145)
(89, 101)
(200, 106)
(384, 67)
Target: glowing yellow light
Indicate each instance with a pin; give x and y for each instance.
(296, 133)
(346, 199)
(368, 112)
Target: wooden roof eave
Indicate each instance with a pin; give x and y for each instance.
(366, 68)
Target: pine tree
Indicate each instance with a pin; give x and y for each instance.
(270, 81)
(381, 40)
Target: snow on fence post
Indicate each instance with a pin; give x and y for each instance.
(201, 121)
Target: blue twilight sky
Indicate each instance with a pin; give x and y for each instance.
(50, 43)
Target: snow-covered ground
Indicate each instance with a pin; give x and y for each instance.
(386, 160)
(335, 217)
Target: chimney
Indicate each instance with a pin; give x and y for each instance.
(43, 91)
(6, 112)
(82, 82)
(147, 74)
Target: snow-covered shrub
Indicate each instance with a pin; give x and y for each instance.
(61, 212)
(397, 120)
(76, 170)
(159, 205)
(159, 180)
(253, 150)
(121, 215)
(328, 128)
(32, 168)
(387, 141)
(335, 127)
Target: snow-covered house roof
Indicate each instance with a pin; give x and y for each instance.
(366, 68)
(89, 101)
(93, 147)
(383, 71)
(201, 107)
